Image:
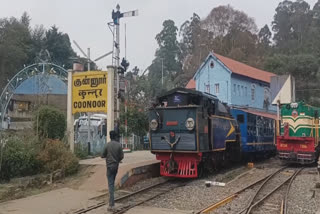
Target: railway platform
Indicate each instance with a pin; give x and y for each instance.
(134, 167)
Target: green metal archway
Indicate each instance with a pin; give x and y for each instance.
(42, 69)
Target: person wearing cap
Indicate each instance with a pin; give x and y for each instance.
(113, 154)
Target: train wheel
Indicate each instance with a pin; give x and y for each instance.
(200, 170)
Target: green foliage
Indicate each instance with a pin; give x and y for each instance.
(49, 122)
(15, 46)
(26, 155)
(301, 66)
(166, 61)
(80, 151)
(20, 45)
(137, 120)
(19, 158)
(225, 31)
(304, 67)
(265, 36)
(59, 46)
(56, 156)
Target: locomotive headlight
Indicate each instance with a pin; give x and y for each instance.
(153, 124)
(190, 124)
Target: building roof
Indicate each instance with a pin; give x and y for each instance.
(191, 84)
(241, 68)
(260, 113)
(245, 70)
(39, 84)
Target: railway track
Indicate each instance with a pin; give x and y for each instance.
(268, 186)
(284, 204)
(139, 197)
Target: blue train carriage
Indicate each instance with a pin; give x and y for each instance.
(257, 132)
(190, 130)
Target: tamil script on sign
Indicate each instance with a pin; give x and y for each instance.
(89, 91)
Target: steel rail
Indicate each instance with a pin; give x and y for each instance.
(100, 204)
(284, 207)
(161, 192)
(270, 193)
(232, 196)
(248, 207)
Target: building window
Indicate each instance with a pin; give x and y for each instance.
(217, 88)
(212, 64)
(239, 90)
(253, 92)
(242, 91)
(240, 118)
(208, 89)
(245, 91)
(234, 89)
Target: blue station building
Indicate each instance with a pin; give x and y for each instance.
(234, 83)
(246, 90)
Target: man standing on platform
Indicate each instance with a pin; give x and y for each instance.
(113, 154)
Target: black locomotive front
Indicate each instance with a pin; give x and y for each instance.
(181, 131)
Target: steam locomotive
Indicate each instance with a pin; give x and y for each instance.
(191, 131)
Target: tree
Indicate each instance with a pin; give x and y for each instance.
(59, 46)
(190, 32)
(222, 19)
(304, 67)
(15, 47)
(291, 25)
(49, 122)
(225, 31)
(137, 120)
(21, 45)
(166, 60)
(265, 36)
(37, 36)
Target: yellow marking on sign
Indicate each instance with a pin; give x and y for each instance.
(283, 145)
(89, 91)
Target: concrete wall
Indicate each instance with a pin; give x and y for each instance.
(57, 100)
(30, 102)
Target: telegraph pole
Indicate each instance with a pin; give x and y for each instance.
(117, 57)
(116, 44)
(89, 114)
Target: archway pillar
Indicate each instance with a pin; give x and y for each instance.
(70, 117)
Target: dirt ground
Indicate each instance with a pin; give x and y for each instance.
(70, 193)
(15, 190)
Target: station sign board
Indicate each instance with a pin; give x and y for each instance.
(89, 91)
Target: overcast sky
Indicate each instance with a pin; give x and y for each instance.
(86, 21)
